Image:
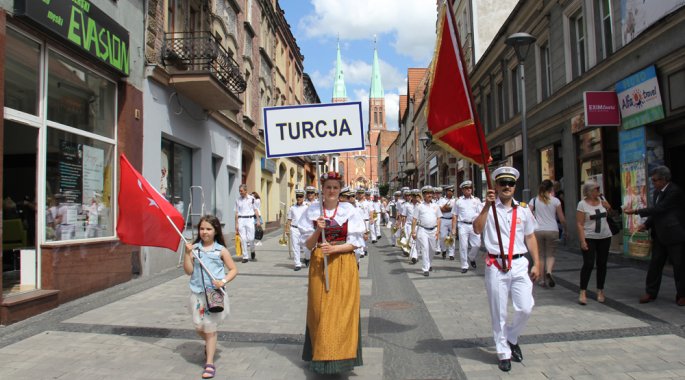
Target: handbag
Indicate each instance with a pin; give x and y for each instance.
(258, 233)
(614, 225)
(213, 297)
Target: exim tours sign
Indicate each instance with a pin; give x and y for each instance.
(84, 25)
(313, 129)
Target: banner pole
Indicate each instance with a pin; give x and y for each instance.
(194, 253)
(479, 133)
(319, 159)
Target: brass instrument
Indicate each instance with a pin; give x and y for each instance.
(394, 229)
(374, 215)
(283, 240)
(449, 240)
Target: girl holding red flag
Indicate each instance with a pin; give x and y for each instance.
(211, 249)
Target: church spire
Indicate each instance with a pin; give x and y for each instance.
(376, 84)
(339, 91)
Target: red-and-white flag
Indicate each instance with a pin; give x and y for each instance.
(143, 212)
(449, 111)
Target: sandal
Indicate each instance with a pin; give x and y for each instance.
(210, 371)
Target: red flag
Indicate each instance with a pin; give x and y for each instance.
(449, 111)
(143, 212)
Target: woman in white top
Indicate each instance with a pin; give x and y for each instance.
(594, 236)
(547, 208)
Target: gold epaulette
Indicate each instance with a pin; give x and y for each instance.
(523, 204)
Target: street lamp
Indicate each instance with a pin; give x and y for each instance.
(425, 141)
(521, 43)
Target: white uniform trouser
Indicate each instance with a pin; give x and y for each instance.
(427, 244)
(413, 253)
(446, 230)
(246, 231)
(376, 228)
(499, 285)
(393, 237)
(466, 237)
(295, 246)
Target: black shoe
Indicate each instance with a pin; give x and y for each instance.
(504, 365)
(245, 260)
(473, 264)
(253, 255)
(297, 268)
(464, 270)
(430, 269)
(306, 263)
(516, 354)
(444, 255)
(413, 260)
(373, 242)
(550, 280)
(426, 274)
(452, 258)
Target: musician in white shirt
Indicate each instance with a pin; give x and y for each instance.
(246, 217)
(446, 205)
(465, 211)
(425, 228)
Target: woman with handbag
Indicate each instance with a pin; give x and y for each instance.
(594, 236)
(208, 305)
(332, 231)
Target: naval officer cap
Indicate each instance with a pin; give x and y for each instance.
(466, 184)
(505, 172)
(299, 192)
(427, 189)
(406, 192)
(397, 193)
(415, 192)
(310, 189)
(344, 190)
(360, 190)
(437, 189)
(405, 188)
(448, 187)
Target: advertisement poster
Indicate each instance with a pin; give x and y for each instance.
(93, 172)
(638, 15)
(70, 171)
(633, 193)
(547, 163)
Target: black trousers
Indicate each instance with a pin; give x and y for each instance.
(661, 253)
(598, 250)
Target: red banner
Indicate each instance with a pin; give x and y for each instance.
(451, 119)
(143, 212)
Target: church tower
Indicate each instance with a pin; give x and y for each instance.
(339, 90)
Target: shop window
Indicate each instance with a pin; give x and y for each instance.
(79, 187)
(22, 62)
(176, 174)
(590, 155)
(80, 98)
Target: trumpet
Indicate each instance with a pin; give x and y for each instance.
(393, 229)
(283, 240)
(449, 240)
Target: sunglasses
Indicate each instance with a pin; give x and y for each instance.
(299, 196)
(506, 183)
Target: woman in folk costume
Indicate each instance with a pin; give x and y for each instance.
(333, 333)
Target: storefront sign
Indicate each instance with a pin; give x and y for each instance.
(84, 25)
(631, 145)
(268, 165)
(601, 109)
(313, 129)
(640, 99)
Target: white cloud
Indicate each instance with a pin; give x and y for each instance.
(411, 22)
(392, 110)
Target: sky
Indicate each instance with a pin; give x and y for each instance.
(405, 36)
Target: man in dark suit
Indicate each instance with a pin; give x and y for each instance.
(666, 220)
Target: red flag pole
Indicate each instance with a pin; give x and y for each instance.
(194, 253)
(479, 132)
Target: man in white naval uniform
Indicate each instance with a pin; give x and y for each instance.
(465, 211)
(375, 220)
(393, 206)
(364, 207)
(446, 205)
(507, 272)
(409, 208)
(294, 214)
(246, 216)
(425, 228)
(310, 194)
(405, 197)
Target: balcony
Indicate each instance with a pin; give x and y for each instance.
(202, 70)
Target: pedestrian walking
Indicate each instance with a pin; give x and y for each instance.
(333, 334)
(375, 221)
(594, 236)
(246, 218)
(666, 220)
(211, 249)
(294, 214)
(547, 209)
(517, 231)
(466, 210)
(425, 229)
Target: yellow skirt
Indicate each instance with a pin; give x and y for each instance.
(333, 316)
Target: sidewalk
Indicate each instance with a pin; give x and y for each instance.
(412, 327)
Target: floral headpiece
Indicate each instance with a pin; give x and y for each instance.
(331, 175)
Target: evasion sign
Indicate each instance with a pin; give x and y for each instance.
(313, 129)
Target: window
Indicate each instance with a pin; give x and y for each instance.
(500, 104)
(176, 176)
(490, 114)
(170, 16)
(606, 35)
(545, 71)
(22, 63)
(514, 87)
(578, 49)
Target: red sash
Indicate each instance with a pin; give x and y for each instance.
(512, 235)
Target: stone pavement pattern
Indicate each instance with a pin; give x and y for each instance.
(413, 327)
